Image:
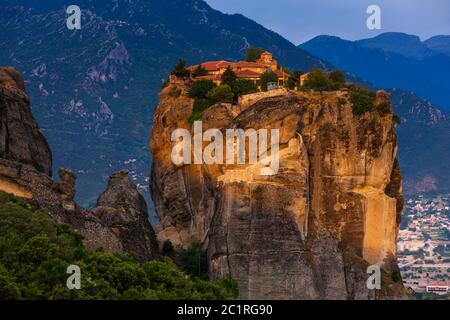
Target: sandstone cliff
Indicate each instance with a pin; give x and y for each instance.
(307, 232)
(118, 224)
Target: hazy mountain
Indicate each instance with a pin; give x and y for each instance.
(403, 44)
(94, 90)
(424, 143)
(392, 60)
(439, 44)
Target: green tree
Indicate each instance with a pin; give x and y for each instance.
(194, 261)
(199, 71)
(317, 80)
(337, 76)
(200, 89)
(228, 77)
(180, 70)
(244, 86)
(200, 106)
(268, 77)
(222, 93)
(384, 108)
(362, 101)
(253, 54)
(291, 83)
(8, 287)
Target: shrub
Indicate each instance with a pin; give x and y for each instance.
(194, 261)
(199, 71)
(384, 108)
(321, 81)
(317, 80)
(253, 54)
(200, 106)
(200, 89)
(180, 70)
(267, 77)
(175, 92)
(290, 83)
(337, 76)
(243, 86)
(341, 101)
(362, 100)
(222, 93)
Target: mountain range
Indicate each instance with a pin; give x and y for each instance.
(393, 60)
(94, 90)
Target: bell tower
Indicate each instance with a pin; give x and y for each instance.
(268, 61)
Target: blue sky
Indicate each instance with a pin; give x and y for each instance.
(301, 20)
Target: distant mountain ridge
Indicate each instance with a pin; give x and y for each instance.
(439, 44)
(424, 144)
(392, 60)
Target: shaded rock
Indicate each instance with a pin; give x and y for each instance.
(124, 211)
(20, 137)
(120, 225)
(11, 78)
(42, 192)
(67, 188)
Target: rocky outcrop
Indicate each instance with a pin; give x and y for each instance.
(20, 137)
(118, 224)
(310, 230)
(124, 211)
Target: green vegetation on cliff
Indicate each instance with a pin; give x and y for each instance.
(319, 80)
(35, 253)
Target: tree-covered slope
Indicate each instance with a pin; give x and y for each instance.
(35, 253)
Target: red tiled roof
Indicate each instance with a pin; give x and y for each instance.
(246, 64)
(225, 64)
(281, 74)
(216, 65)
(248, 74)
(209, 66)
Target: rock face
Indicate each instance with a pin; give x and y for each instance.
(120, 222)
(124, 211)
(20, 137)
(306, 232)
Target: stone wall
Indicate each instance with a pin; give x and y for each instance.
(248, 99)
